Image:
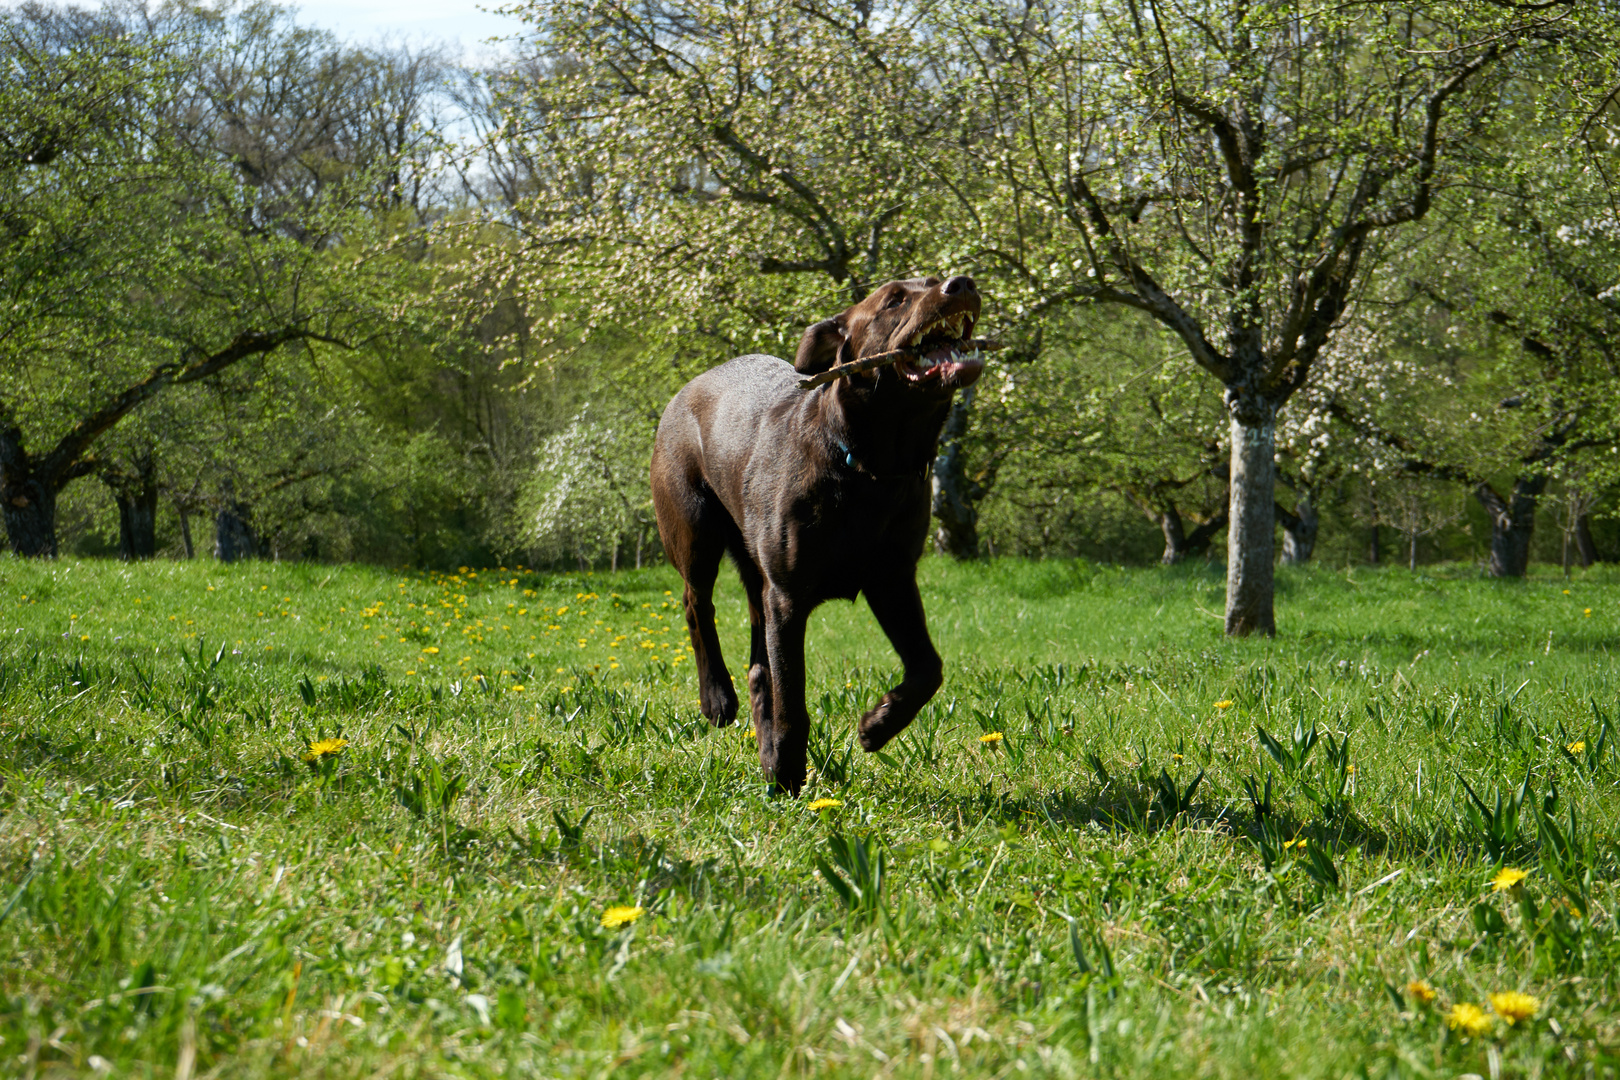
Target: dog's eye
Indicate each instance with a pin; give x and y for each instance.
(896, 300)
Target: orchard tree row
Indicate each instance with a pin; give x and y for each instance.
(1262, 268)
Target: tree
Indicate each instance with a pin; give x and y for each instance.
(1494, 349)
(589, 497)
(1112, 409)
(716, 176)
(1229, 169)
(134, 261)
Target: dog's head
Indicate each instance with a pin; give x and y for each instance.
(929, 316)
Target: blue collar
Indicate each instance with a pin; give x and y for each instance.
(850, 462)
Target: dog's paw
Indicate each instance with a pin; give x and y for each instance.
(879, 726)
(719, 708)
(788, 767)
(789, 785)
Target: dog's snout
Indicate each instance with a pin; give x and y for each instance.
(959, 284)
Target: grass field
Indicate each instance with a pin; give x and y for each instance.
(304, 820)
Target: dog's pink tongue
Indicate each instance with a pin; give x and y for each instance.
(962, 372)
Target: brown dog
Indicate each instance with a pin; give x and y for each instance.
(817, 494)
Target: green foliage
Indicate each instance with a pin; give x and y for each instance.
(152, 243)
(1497, 825)
(858, 879)
(429, 791)
(750, 188)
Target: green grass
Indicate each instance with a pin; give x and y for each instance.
(181, 893)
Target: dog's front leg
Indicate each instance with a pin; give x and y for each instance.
(898, 606)
(759, 657)
(784, 745)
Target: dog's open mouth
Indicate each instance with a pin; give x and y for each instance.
(942, 350)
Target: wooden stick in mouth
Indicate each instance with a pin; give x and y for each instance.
(883, 359)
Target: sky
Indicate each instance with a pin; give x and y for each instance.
(413, 21)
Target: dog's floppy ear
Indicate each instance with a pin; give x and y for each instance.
(824, 344)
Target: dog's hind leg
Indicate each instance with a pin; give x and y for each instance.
(696, 530)
(717, 697)
(898, 606)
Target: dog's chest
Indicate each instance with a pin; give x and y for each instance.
(831, 537)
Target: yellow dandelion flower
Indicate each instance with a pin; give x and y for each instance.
(1507, 877)
(324, 748)
(991, 737)
(1470, 1019)
(1588, 612)
(1566, 592)
(431, 649)
(1226, 704)
(615, 917)
(517, 689)
(1577, 747)
(825, 804)
(1421, 991)
(1513, 1006)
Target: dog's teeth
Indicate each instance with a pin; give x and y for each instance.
(916, 339)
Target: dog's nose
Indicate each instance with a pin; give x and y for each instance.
(961, 283)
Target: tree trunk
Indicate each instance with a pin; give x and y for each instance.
(1199, 540)
(1252, 521)
(1411, 553)
(185, 530)
(137, 498)
(1175, 537)
(1585, 546)
(27, 499)
(1375, 545)
(957, 516)
(1513, 524)
(137, 523)
(1180, 545)
(30, 512)
(1299, 531)
(233, 532)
